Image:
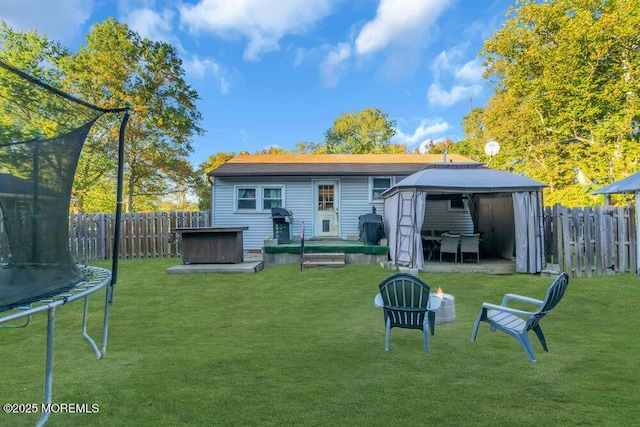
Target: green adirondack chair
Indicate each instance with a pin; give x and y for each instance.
(518, 323)
(407, 303)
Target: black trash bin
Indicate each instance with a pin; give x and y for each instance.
(282, 219)
(371, 227)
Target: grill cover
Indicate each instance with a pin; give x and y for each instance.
(371, 228)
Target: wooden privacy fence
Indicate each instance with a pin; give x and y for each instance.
(582, 241)
(596, 240)
(143, 234)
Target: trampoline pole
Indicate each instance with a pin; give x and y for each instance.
(85, 334)
(35, 220)
(48, 381)
(116, 234)
(105, 328)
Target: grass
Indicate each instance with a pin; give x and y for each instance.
(285, 347)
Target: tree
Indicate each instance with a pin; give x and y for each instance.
(439, 147)
(114, 67)
(117, 66)
(272, 150)
(368, 131)
(31, 111)
(474, 128)
(566, 91)
(203, 189)
(26, 109)
(307, 147)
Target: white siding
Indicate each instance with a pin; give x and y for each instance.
(297, 197)
(299, 201)
(354, 201)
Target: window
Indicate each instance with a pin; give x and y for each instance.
(258, 198)
(325, 197)
(246, 198)
(378, 186)
(456, 204)
(271, 198)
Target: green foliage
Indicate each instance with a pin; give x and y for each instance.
(567, 89)
(262, 356)
(474, 128)
(440, 147)
(27, 110)
(573, 196)
(307, 147)
(368, 131)
(115, 66)
(202, 187)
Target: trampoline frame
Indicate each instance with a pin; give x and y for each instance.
(96, 279)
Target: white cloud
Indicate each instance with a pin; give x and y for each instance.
(399, 21)
(446, 62)
(426, 131)
(333, 64)
(470, 72)
(263, 22)
(152, 25)
(465, 78)
(60, 20)
(202, 69)
(437, 96)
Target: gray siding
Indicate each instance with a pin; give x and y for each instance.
(223, 215)
(439, 217)
(296, 197)
(298, 193)
(299, 201)
(354, 201)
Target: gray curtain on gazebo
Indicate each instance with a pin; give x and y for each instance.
(529, 231)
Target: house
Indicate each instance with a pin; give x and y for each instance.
(325, 192)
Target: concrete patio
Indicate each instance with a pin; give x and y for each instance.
(253, 262)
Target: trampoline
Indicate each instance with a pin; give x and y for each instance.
(42, 133)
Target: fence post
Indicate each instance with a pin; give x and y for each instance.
(588, 240)
(578, 240)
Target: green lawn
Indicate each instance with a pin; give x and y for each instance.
(284, 347)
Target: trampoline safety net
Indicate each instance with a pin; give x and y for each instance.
(41, 137)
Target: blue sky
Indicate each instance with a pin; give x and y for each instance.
(278, 72)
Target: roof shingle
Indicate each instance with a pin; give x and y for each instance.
(328, 164)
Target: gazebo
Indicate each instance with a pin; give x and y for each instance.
(628, 185)
(506, 210)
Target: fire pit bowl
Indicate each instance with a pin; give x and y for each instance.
(447, 311)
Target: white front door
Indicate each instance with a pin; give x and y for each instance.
(325, 218)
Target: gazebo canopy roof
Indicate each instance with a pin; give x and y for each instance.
(465, 178)
(630, 184)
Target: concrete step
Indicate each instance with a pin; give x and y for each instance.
(312, 264)
(336, 259)
(327, 255)
(552, 270)
(549, 273)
